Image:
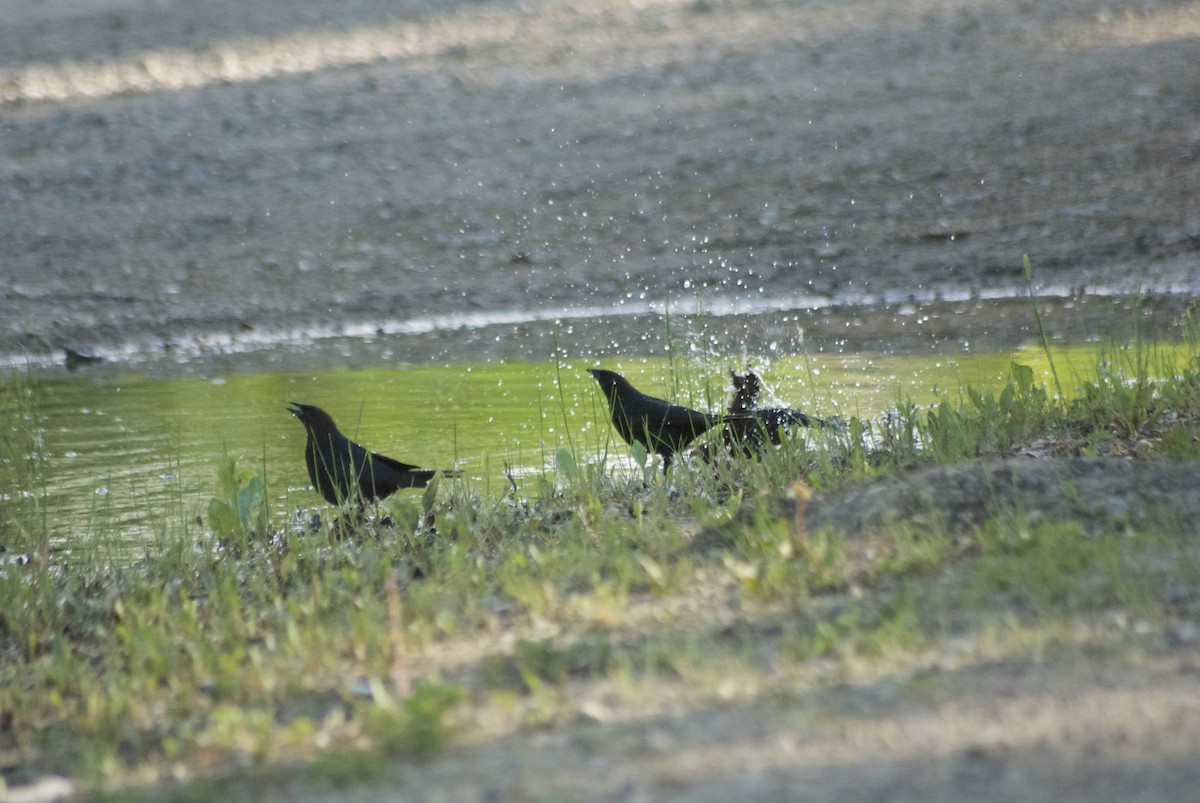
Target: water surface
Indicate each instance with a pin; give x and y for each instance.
(120, 453)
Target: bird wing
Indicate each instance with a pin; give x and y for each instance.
(689, 419)
(395, 465)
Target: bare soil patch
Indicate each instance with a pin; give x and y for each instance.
(172, 170)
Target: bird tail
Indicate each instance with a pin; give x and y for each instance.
(420, 477)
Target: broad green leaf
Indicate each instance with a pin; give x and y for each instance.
(566, 464)
(249, 499)
(403, 512)
(222, 519)
(1023, 374)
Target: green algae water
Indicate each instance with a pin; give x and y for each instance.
(103, 459)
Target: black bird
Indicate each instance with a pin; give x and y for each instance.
(748, 427)
(658, 425)
(342, 470)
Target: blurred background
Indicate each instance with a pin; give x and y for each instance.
(180, 177)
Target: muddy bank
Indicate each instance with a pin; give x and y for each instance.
(716, 334)
(172, 171)
(1100, 493)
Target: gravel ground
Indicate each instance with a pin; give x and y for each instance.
(171, 170)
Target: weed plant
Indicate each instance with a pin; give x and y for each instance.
(251, 638)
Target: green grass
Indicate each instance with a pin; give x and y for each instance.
(253, 641)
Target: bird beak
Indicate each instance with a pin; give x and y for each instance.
(296, 409)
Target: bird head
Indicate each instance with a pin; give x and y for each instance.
(609, 381)
(745, 391)
(312, 417)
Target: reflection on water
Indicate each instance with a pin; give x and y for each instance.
(128, 458)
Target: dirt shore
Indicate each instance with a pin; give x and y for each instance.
(172, 170)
